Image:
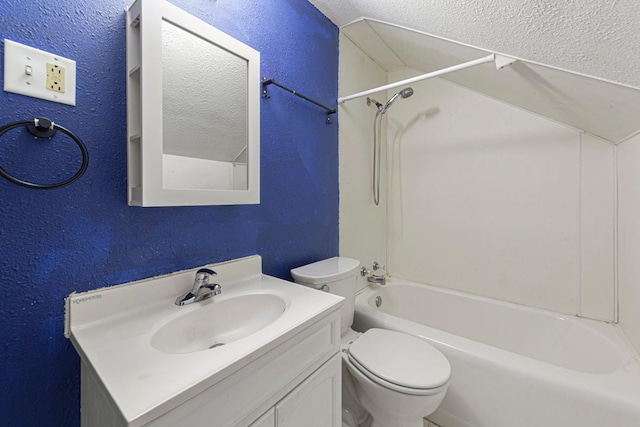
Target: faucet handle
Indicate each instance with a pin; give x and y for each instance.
(206, 271)
(364, 271)
(203, 275)
(377, 266)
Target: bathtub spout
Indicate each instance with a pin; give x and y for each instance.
(374, 278)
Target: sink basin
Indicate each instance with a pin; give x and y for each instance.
(218, 321)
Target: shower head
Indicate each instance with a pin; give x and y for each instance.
(405, 93)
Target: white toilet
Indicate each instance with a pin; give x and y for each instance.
(398, 378)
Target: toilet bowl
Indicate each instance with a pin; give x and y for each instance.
(397, 378)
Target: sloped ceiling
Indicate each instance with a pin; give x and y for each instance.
(594, 37)
(608, 110)
(605, 109)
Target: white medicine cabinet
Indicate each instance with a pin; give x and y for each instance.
(193, 111)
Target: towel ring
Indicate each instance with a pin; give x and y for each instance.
(45, 128)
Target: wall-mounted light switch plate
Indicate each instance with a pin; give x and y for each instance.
(33, 72)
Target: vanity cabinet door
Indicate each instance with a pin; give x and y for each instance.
(317, 402)
(267, 420)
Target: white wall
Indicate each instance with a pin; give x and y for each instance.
(629, 239)
(495, 201)
(597, 229)
(362, 224)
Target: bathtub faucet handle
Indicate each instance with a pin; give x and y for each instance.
(377, 266)
(364, 271)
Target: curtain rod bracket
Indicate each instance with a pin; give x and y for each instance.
(503, 61)
(265, 83)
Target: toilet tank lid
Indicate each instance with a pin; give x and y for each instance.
(401, 359)
(327, 270)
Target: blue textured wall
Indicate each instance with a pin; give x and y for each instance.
(84, 236)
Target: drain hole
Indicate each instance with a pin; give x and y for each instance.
(218, 344)
(378, 301)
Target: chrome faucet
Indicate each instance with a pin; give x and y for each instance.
(202, 289)
(380, 279)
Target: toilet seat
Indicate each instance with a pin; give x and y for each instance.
(400, 362)
(394, 387)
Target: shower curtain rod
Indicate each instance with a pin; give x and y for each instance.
(486, 59)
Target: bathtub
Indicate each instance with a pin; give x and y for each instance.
(513, 366)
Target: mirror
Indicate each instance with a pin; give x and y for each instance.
(193, 111)
(204, 121)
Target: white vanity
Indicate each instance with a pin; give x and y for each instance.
(274, 357)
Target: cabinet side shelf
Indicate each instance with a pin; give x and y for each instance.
(134, 73)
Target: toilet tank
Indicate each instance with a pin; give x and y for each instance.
(336, 275)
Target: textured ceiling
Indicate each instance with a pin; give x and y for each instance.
(596, 37)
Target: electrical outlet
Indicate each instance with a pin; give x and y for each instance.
(33, 72)
(55, 77)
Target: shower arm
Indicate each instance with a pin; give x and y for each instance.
(486, 59)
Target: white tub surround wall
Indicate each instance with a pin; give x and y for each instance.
(493, 200)
(597, 289)
(362, 224)
(513, 196)
(629, 239)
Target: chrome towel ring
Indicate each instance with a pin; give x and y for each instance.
(45, 128)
